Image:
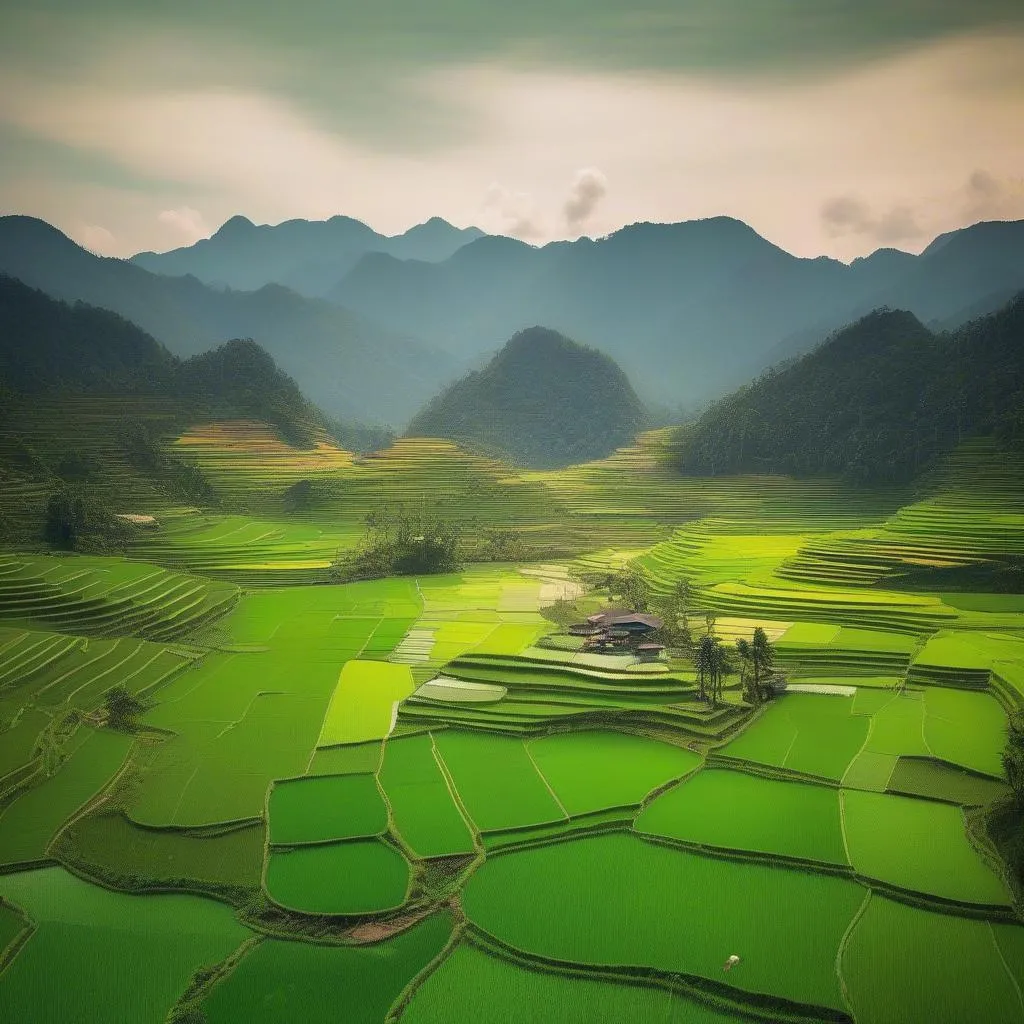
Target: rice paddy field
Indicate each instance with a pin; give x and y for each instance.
(416, 799)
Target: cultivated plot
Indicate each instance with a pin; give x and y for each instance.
(422, 801)
(736, 811)
(619, 900)
(101, 939)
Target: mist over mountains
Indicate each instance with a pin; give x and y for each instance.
(689, 311)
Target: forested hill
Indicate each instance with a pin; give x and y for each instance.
(50, 346)
(876, 402)
(343, 363)
(542, 401)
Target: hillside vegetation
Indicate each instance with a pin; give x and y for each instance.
(344, 363)
(543, 400)
(877, 402)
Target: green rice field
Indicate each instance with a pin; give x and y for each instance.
(418, 799)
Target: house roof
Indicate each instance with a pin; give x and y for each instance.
(625, 619)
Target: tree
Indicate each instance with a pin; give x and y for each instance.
(720, 669)
(1013, 756)
(743, 654)
(762, 657)
(399, 543)
(630, 587)
(709, 621)
(703, 662)
(122, 707)
(66, 519)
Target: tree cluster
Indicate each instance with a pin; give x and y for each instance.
(403, 543)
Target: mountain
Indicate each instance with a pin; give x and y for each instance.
(692, 309)
(877, 402)
(345, 364)
(309, 257)
(50, 347)
(543, 401)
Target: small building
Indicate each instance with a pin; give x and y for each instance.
(649, 652)
(620, 620)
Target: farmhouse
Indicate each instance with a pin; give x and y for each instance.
(621, 628)
(624, 620)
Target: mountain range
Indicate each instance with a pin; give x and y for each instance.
(348, 366)
(310, 257)
(689, 310)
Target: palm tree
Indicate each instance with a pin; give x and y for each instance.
(762, 655)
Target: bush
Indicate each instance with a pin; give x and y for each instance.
(402, 544)
(76, 520)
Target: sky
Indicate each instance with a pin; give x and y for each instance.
(831, 126)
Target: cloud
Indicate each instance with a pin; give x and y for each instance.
(188, 221)
(96, 238)
(514, 213)
(988, 197)
(848, 215)
(589, 188)
(843, 215)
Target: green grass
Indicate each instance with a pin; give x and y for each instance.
(282, 982)
(424, 810)
(352, 759)
(913, 776)
(360, 876)
(497, 781)
(12, 924)
(212, 773)
(590, 771)
(363, 706)
(472, 985)
(109, 844)
(29, 823)
(325, 808)
(103, 956)
(812, 733)
(737, 811)
(920, 845)
(966, 728)
(618, 900)
(903, 965)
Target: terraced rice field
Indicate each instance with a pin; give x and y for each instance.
(405, 800)
(280, 982)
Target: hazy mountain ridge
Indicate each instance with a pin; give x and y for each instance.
(309, 257)
(542, 401)
(690, 310)
(48, 346)
(876, 402)
(345, 364)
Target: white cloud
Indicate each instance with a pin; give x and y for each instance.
(507, 212)
(96, 238)
(187, 221)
